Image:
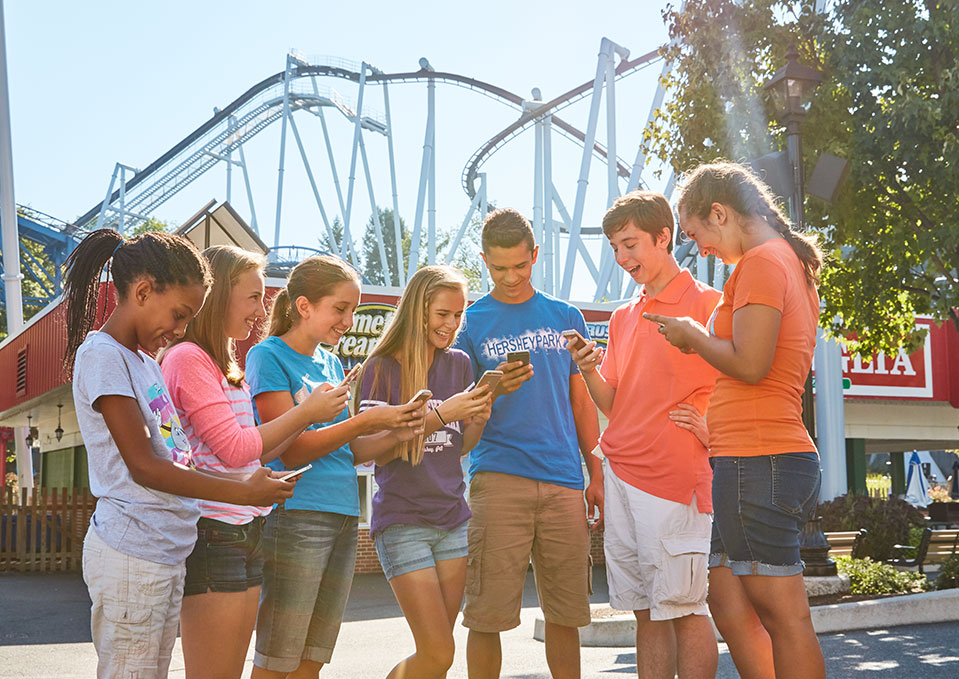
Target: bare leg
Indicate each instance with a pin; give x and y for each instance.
(421, 596)
(215, 631)
(655, 647)
(484, 655)
(700, 654)
(782, 606)
(307, 670)
(737, 621)
(562, 651)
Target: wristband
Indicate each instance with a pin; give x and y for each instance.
(440, 417)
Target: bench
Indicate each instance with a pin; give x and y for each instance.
(845, 543)
(935, 546)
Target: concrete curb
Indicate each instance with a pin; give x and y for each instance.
(908, 609)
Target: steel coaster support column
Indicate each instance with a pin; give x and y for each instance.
(587, 258)
(636, 174)
(329, 153)
(538, 225)
(454, 246)
(576, 223)
(431, 190)
(106, 201)
(13, 294)
(550, 235)
(424, 178)
(830, 416)
(377, 225)
(286, 116)
(231, 128)
(331, 236)
(121, 224)
(397, 227)
(357, 134)
(484, 274)
(249, 191)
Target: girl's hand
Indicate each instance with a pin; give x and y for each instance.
(514, 374)
(482, 417)
(465, 404)
(687, 417)
(680, 332)
(262, 489)
(587, 358)
(406, 416)
(325, 402)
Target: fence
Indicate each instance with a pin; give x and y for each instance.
(43, 529)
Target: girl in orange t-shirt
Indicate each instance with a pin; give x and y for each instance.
(766, 473)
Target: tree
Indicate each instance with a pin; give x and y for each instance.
(374, 268)
(889, 104)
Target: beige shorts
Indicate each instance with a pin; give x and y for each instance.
(656, 552)
(515, 518)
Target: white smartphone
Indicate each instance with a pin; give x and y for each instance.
(490, 377)
(422, 396)
(350, 376)
(295, 472)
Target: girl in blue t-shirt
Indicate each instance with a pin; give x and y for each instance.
(310, 541)
(419, 512)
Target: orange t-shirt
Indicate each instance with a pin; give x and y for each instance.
(747, 420)
(644, 447)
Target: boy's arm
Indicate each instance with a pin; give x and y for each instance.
(587, 434)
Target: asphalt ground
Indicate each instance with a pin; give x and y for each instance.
(44, 633)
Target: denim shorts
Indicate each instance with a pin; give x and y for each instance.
(404, 548)
(306, 581)
(761, 504)
(226, 558)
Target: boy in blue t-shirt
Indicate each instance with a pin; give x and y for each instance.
(526, 487)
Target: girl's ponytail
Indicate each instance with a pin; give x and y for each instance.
(81, 286)
(736, 186)
(281, 314)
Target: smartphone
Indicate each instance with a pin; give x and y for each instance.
(514, 356)
(350, 376)
(576, 340)
(422, 396)
(295, 472)
(490, 377)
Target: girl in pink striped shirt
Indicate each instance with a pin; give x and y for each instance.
(207, 387)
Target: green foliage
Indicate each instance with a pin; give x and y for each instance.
(915, 535)
(887, 522)
(149, 224)
(889, 104)
(949, 573)
(868, 577)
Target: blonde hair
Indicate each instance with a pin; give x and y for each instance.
(313, 278)
(406, 340)
(207, 330)
(737, 187)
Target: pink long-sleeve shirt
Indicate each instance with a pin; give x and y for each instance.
(217, 417)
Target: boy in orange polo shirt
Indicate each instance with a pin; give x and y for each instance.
(657, 484)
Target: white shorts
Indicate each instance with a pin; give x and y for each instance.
(656, 552)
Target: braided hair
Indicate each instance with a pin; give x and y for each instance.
(165, 258)
(736, 186)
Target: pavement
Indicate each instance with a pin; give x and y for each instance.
(45, 633)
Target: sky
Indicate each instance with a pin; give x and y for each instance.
(99, 82)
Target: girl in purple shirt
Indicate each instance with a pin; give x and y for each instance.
(419, 511)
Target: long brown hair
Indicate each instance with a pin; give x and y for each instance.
(736, 186)
(313, 278)
(166, 259)
(405, 339)
(208, 330)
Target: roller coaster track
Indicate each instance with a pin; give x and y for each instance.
(256, 109)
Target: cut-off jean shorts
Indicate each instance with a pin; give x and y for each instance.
(226, 558)
(761, 504)
(405, 548)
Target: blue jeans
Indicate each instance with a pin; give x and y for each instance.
(761, 504)
(404, 548)
(226, 558)
(306, 582)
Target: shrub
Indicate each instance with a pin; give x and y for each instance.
(887, 522)
(868, 577)
(949, 573)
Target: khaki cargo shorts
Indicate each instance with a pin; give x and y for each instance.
(515, 518)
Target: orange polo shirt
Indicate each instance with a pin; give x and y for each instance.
(644, 447)
(747, 420)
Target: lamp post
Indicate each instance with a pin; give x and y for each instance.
(791, 89)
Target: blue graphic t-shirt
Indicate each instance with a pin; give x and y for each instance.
(531, 432)
(272, 365)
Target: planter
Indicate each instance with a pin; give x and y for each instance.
(944, 512)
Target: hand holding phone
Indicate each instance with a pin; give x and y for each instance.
(585, 354)
(574, 341)
(490, 378)
(421, 397)
(350, 376)
(296, 472)
(518, 356)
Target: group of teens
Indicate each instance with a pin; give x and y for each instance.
(228, 497)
